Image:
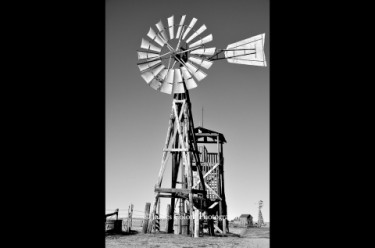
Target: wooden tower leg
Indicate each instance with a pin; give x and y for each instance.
(182, 201)
(162, 169)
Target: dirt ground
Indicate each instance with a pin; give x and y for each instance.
(238, 237)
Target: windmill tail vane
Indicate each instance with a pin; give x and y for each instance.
(248, 52)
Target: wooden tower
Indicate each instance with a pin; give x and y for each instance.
(181, 147)
(212, 164)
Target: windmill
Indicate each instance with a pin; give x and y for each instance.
(171, 61)
(260, 216)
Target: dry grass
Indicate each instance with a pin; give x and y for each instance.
(238, 237)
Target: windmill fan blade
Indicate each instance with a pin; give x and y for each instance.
(153, 36)
(191, 25)
(155, 84)
(198, 32)
(171, 26)
(170, 76)
(150, 75)
(146, 55)
(157, 81)
(249, 51)
(147, 45)
(143, 67)
(178, 86)
(168, 82)
(180, 26)
(189, 80)
(202, 41)
(161, 28)
(204, 51)
(198, 74)
(201, 62)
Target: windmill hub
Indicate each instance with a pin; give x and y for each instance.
(182, 56)
(175, 54)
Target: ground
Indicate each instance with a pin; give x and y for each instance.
(238, 237)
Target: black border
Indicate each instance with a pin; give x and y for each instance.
(66, 117)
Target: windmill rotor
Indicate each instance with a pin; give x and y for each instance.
(178, 54)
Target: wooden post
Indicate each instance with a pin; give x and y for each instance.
(218, 184)
(157, 220)
(168, 217)
(130, 216)
(189, 171)
(159, 208)
(147, 217)
(196, 224)
(224, 220)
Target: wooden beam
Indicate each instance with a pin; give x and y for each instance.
(186, 191)
(213, 191)
(217, 228)
(206, 134)
(205, 175)
(167, 196)
(214, 204)
(174, 150)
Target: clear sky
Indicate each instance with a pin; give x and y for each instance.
(235, 99)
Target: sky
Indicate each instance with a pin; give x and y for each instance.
(235, 99)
